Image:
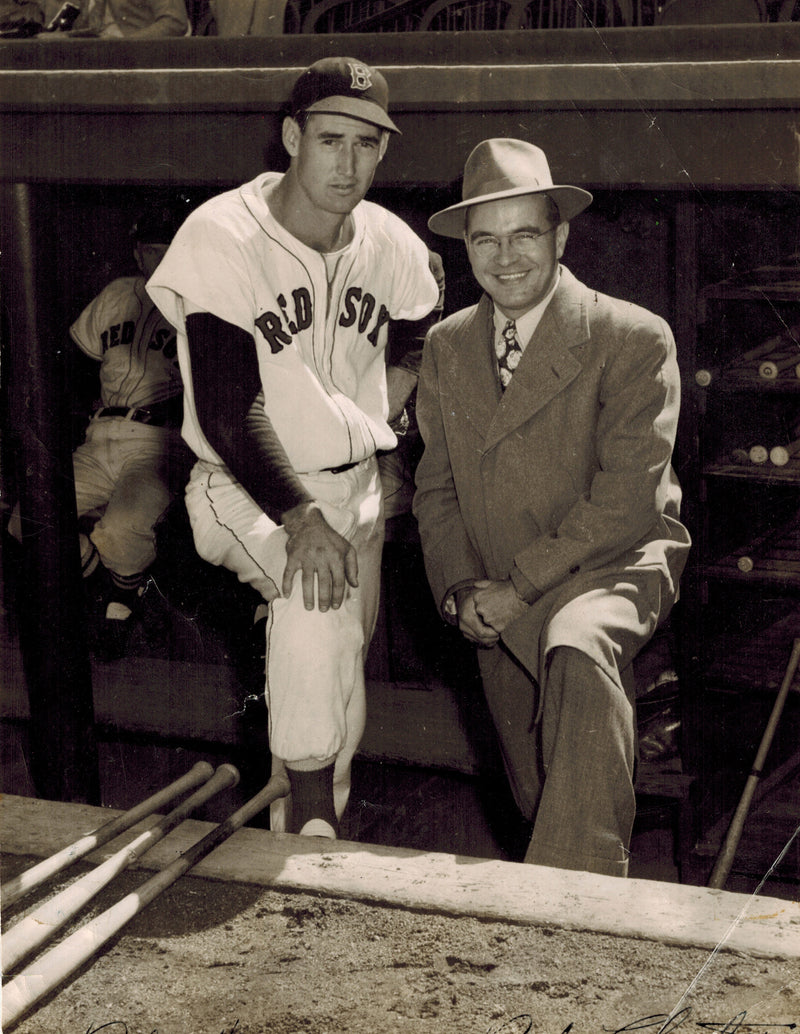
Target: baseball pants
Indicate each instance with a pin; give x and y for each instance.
(130, 472)
(314, 674)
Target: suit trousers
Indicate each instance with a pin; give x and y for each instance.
(572, 772)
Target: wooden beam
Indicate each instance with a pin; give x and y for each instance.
(440, 883)
(52, 627)
(685, 110)
(674, 85)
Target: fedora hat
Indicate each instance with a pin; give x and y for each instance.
(502, 168)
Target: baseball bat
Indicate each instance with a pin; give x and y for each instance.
(58, 964)
(704, 376)
(37, 874)
(771, 369)
(771, 343)
(38, 926)
(781, 454)
(722, 866)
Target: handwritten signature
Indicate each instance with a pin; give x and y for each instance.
(120, 1027)
(658, 1023)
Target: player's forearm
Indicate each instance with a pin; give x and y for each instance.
(230, 409)
(406, 337)
(266, 466)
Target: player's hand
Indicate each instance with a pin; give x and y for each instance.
(471, 624)
(497, 603)
(322, 554)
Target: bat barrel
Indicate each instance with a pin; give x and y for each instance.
(781, 454)
(771, 369)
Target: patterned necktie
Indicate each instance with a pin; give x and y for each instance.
(509, 353)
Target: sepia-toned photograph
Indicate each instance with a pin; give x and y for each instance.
(399, 516)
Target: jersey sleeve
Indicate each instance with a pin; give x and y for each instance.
(414, 288)
(204, 270)
(108, 307)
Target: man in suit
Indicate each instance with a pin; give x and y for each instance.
(547, 505)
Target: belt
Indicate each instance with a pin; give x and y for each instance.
(160, 414)
(342, 469)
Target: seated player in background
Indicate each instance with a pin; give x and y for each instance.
(133, 461)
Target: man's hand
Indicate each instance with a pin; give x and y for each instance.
(400, 383)
(497, 603)
(472, 626)
(314, 548)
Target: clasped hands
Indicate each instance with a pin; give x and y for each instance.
(486, 608)
(323, 555)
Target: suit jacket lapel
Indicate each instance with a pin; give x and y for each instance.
(549, 362)
(468, 368)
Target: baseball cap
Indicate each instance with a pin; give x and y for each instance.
(159, 222)
(343, 86)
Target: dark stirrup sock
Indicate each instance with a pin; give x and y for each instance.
(312, 797)
(126, 587)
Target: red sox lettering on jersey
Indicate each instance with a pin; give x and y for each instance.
(164, 339)
(136, 346)
(358, 308)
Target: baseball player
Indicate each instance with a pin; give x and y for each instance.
(133, 461)
(282, 291)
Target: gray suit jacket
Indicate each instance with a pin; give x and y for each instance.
(565, 480)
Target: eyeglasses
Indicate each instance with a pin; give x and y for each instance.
(523, 242)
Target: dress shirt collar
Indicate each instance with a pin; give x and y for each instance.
(527, 324)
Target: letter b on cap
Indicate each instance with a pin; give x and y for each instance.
(360, 78)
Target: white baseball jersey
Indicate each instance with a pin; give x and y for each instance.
(137, 347)
(319, 322)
